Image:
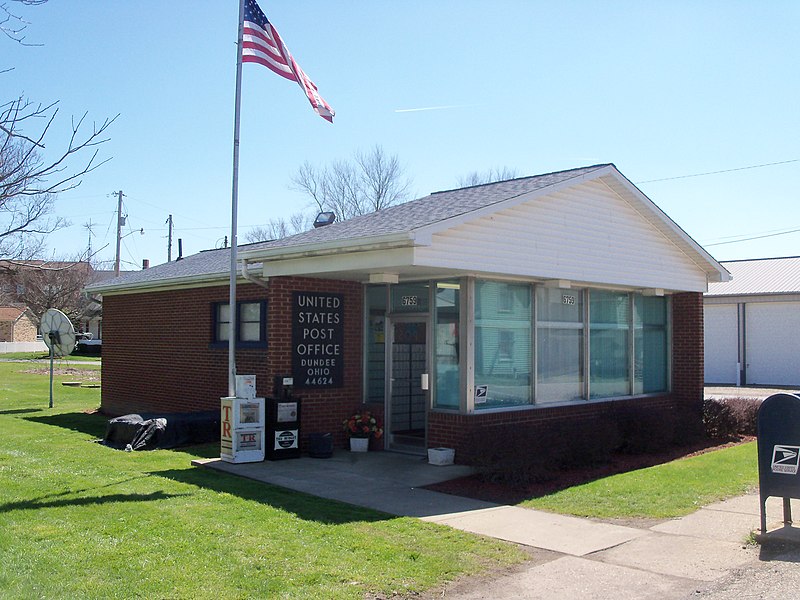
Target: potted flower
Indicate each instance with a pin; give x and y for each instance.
(360, 428)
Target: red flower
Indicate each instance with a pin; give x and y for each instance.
(363, 425)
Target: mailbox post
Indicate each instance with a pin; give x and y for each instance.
(779, 453)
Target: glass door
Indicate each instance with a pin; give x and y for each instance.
(408, 401)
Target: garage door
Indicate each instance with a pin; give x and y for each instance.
(773, 331)
(721, 344)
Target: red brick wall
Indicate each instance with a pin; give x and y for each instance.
(687, 350)
(156, 358)
(459, 431)
(157, 354)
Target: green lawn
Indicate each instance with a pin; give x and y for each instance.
(78, 520)
(673, 489)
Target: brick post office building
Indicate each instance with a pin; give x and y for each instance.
(535, 301)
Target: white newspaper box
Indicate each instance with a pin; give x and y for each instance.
(242, 429)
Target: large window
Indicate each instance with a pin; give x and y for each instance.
(559, 346)
(650, 345)
(503, 356)
(523, 345)
(609, 347)
(376, 343)
(251, 327)
(447, 357)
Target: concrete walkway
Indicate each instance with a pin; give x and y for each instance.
(584, 558)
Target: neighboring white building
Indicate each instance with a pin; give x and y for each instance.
(752, 324)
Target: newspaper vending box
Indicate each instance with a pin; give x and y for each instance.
(283, 421)
(242, 425)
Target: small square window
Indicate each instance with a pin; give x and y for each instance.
(251, 326)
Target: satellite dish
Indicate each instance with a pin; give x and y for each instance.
(59, 336)
(57, 332)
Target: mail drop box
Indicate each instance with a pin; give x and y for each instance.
(242, 429)
(779, 452)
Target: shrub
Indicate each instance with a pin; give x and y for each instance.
(588, 443)
(689, 429)
(517, 456)
(730, 418)
(745, 414)
(512, 455)
(647, 431)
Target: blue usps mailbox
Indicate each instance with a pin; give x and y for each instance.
(779, 453)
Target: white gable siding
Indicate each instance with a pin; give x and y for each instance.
(586, 233)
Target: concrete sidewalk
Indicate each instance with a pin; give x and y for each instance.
(677, 558)
(585, 558)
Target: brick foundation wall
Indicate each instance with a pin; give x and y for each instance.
(157, 354)
(461, 431)
(157, 358)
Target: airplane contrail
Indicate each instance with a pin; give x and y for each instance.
(405, 110)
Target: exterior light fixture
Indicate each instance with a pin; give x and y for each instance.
(323, 219)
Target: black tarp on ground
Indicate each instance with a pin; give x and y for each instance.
(150, 431)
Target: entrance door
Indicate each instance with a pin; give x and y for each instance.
(407, 400)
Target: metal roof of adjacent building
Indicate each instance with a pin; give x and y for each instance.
(759, 276)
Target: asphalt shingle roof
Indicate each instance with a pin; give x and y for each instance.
(406, 217)
(759, 276)
(10, 313)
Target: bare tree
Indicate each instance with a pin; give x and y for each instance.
(30, 175)
(369, 182)
(278, 228)
(11, 24)
(29, 182)
(40, 285)
(490, 176)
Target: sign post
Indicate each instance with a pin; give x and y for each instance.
(779, 453)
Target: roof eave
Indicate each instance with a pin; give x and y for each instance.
(153, 285)
(360, 244)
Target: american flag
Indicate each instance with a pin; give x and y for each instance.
(264, 46)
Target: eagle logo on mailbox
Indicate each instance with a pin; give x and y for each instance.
(785, 459)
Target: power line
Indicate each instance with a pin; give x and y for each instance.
(757, 237)
(783, 162)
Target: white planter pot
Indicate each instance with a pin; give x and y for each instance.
(441, 456)
(359, 444)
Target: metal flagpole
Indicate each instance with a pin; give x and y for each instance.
(234, 209)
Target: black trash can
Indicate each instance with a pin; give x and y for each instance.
(320, 445)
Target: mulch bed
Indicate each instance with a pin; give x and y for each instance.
(475, 487)
(79, 374)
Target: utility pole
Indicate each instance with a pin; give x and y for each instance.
(169, 239)
(88, 226)
(120, 223)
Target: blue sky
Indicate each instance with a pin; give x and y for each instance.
(662, 90)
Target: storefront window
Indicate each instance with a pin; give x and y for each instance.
(502, 344)
(376, 343)
(609, 344)
(447, 363)
(650, 345)
(559, 349)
